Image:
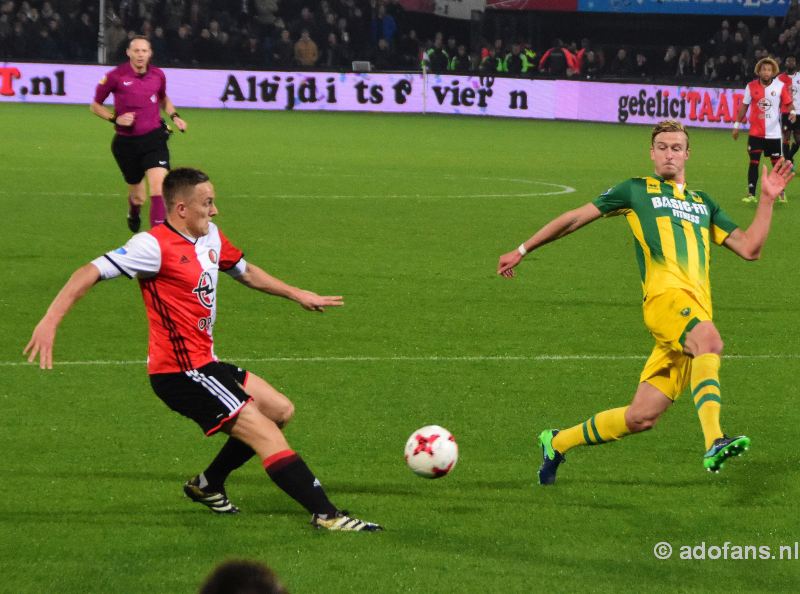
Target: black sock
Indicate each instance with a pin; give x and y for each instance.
(752, 178)
(793, 151)
(288, 470)
(232, 455)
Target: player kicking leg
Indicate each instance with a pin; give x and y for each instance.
(666, 374)
(214, 397)
(208, 487)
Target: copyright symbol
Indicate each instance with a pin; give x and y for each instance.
(662, 550)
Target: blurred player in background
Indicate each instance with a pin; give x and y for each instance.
(790, 78)
(177, 265)
(764, 97)
(140, 143)
(673, 227)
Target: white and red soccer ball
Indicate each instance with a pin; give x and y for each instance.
(431, 452)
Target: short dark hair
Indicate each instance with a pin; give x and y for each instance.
(242, 577)
(179, 180)
(135, 37)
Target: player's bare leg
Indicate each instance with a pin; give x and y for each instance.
(288, 470)
(272, 403)
(136, 197)
(155, 180)
(208, 487)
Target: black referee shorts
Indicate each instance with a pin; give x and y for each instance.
(210, 395)
(137, 154)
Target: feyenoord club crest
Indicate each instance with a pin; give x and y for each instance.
(205, 290)
(212, 255)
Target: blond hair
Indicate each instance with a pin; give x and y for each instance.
(669, 126)
(771, 61)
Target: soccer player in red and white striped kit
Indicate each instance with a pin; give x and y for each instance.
(177, 265)
(764, 97)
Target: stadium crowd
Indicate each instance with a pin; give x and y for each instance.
(287, 34)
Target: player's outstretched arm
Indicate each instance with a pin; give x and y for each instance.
(748, 244)
(562, 225)
(44, 335)
(256, 278)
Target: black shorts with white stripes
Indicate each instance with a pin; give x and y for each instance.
(210, 395)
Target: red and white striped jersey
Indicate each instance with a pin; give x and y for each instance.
(793, 82)
(765, 107)
(178, 277)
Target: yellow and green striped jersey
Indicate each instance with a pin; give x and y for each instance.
(672, 230)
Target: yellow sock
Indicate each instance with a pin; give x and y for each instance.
(706, 395)
(608, 425)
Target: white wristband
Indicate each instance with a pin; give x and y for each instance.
(793, 112)
(735, 125)
(521, 249)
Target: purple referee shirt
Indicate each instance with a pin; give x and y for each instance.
(139, 93)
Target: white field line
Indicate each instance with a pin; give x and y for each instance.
(549, 189)
(408, 358)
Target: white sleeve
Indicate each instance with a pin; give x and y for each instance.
(140, 257)
(238, 268)
(747, 97)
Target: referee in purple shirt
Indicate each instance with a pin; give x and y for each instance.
(140, 144)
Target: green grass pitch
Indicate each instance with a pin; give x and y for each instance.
(406, 217)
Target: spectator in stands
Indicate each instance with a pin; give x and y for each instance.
(306, 52)
(84, 39)
(740, 45)
(204, 48)
(334, 54)
(158, 43)
(781, 47)
(461, 62)
(182, 50)
(592, 67)
(5, 36)
(669, 64)
(769, 34)
(697, 62)
(554, 60)
(173, 11)
(452, 46)
(382, 26)
(499, 48)
(724, 45)
(716, 40)
(725, 70)
(792, 15)
(683, 69)
(641, 68)
(737, 71)
(490, 63)
(47, 48)
(621, 64)
(710, 70)
(516, 63)
(741, 27)
(251, 54)
(306, 23)
(383, 57)
(283, 50)
(409, 50)
(436, 57)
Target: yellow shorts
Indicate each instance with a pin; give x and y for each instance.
(669, 317)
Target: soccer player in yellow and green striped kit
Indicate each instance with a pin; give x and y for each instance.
(673, 226)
